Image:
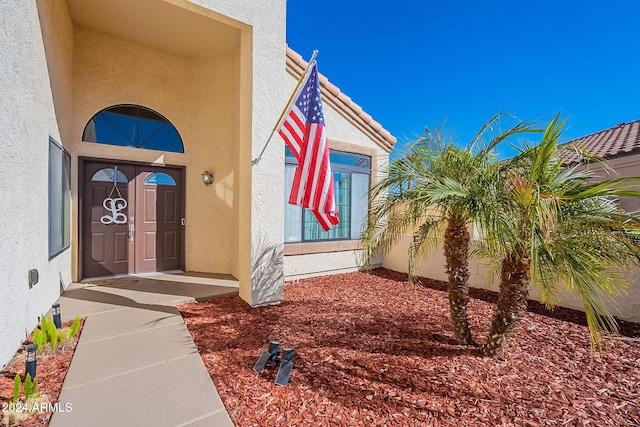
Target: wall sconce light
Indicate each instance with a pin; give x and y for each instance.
(55, 311)
(207, 178)
(30, 361)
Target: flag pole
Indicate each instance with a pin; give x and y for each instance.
(311, 61)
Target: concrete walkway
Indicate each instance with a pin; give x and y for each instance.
(135, 363)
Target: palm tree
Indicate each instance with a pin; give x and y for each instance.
(436, 190)
(553, 225)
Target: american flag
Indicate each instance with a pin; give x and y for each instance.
(303, 131)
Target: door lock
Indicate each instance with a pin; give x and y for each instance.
(132, 228)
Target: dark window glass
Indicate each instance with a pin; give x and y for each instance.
(133, 126)
(59, 199)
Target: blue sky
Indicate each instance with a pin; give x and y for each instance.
(412, 63)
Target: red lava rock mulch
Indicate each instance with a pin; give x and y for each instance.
(370, 350)
(51, 372)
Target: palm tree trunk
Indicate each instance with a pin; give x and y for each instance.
(512, 302)
(456, 251)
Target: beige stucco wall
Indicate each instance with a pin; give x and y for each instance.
(434, 266)
(623, 167)
(626, 306)
(320, 264)
(27, 119)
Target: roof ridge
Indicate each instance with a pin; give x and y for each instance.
(343, 104)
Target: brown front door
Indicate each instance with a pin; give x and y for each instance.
(132, 219)
(158, 220)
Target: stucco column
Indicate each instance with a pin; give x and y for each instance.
(261, 222)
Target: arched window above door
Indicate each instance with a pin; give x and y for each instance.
(133, 126)
(159, 178)
(108, 175)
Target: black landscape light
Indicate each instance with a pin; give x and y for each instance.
(30, 361)
(271, 355)
(286, 365)
(55, 310)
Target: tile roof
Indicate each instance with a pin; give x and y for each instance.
(332, 95)
(618, 141)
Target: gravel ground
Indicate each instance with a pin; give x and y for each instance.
(371, 350)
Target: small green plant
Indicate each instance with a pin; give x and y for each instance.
(39, 338)
(17, 382)
(50, 330)
(30, 387)
(73, 330)
(47, 333)
(75, 326)
(20, 410)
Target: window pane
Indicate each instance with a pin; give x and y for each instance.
(292, 213)
(133, 126)
(159, 178)
(107, 174)
(288, 154)
(66, 199)
(147, 130)
(359, 204)
(313, 231)
(59, 199)
(166, 139)
(115, 129)
(351, 160)
(55, 199)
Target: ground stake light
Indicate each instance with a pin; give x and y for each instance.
(55, 310)
(286, 365)
(30, 362)
(272, 355)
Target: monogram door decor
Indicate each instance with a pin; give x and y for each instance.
(114, 205)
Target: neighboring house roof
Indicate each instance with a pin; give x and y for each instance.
(343, 104)
(618, 141)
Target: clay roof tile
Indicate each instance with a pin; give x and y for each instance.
(620, 140)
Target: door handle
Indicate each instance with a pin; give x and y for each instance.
(132, 228)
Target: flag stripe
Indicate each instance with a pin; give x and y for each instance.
(292, 131)
(313, 162)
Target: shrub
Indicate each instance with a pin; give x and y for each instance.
(39, 338)
(17, 381)
(30, 387)
(50, 330)
(74, 327)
